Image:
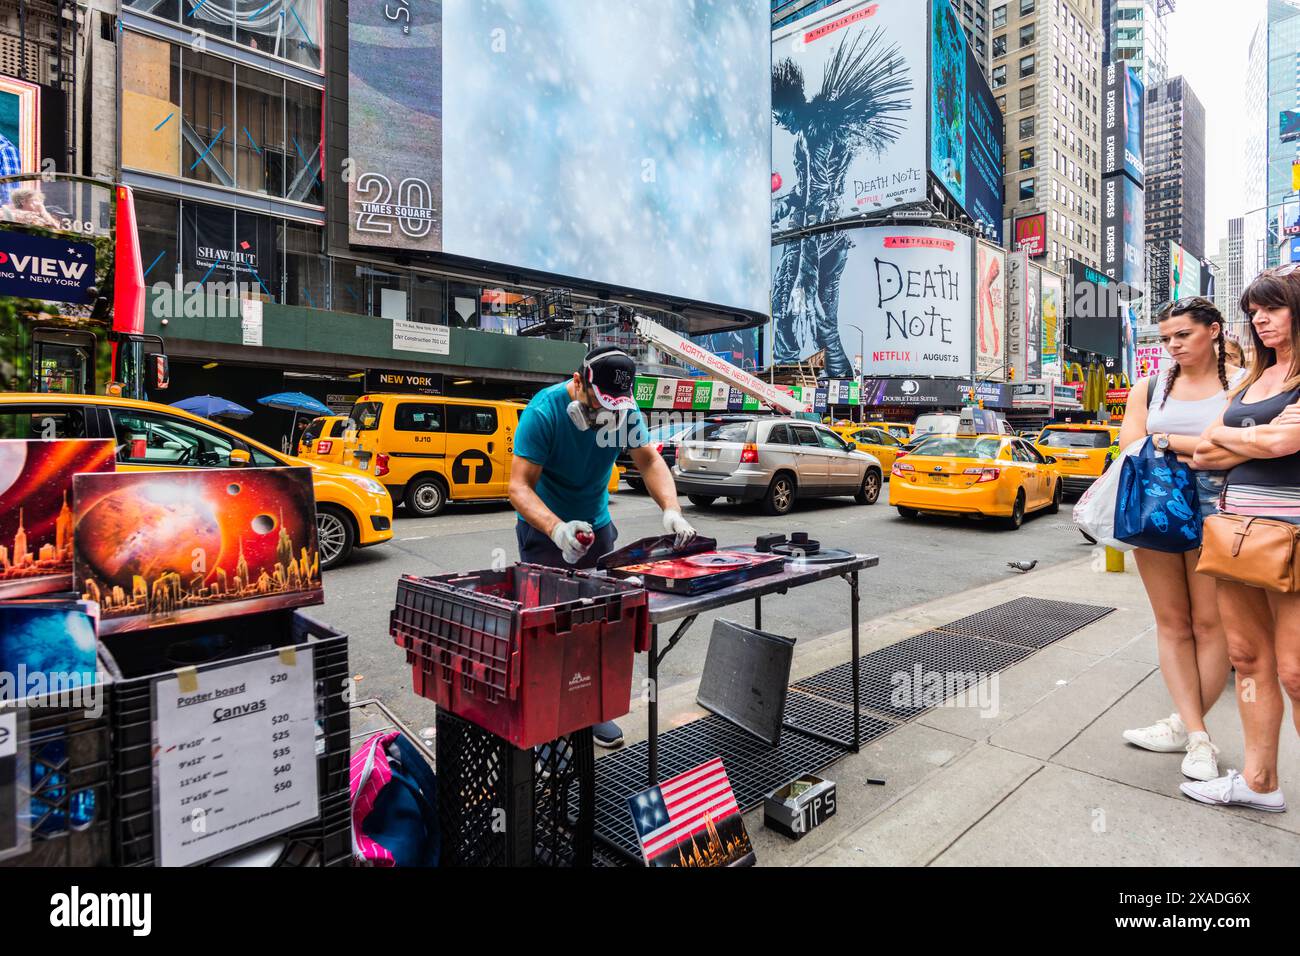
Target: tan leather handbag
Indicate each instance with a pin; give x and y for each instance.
(1259, 552)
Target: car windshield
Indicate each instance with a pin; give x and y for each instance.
(314, 430)
(949, 446)
(937, 423)
(366, 415)
(723, 431)
(1079, 439)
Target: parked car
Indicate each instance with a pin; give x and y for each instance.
(352, 509)
(775, 461)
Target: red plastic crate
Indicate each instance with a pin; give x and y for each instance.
(529, 653)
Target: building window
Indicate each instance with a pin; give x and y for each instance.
(284, 29)
(1026, 7)
(1027, 35)
(1027, 127)
(1026, 66)
(1000, 17)
(1000, 45)
(1027, 96)
(1002, 103)
(999, 77)
(1027, 188)
(208, 111)
(1027, 158)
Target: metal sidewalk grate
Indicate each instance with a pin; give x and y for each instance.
(1032, 622)
(804, 711)
(754, 768)
(889, 677)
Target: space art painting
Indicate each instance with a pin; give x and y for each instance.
(36, 510)
(162, 548)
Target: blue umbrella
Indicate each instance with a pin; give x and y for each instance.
(296, 402)
(211, 406)
(299, 404)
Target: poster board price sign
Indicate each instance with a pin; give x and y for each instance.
(235, 755)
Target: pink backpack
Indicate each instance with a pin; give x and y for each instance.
(394, 804)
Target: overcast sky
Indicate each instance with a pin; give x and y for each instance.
(1209, 47)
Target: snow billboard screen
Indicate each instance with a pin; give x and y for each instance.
(624, 144)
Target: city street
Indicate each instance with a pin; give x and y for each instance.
(920, 561)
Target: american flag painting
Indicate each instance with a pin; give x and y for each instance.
(692, 820)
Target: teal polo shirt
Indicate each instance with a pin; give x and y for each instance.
(575, 465)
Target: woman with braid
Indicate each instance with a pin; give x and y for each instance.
(1175, 407)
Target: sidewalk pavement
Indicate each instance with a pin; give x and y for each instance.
(1048, 781)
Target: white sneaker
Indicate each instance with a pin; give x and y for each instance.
(1164, 736)
(1200, 762)
(1231, 791)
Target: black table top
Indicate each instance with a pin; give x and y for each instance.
(672, 607)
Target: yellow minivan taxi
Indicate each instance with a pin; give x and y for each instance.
(329, 439)
(1082, 452)
(980, 475)
(430, 450)
(352, 509)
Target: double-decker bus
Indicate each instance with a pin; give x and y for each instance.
(72, 292)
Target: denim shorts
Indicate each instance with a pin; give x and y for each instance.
(1209, 485)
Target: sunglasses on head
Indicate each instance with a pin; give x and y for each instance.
(1283, 270)
(1191, 302)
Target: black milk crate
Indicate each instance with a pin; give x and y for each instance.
(137, 660)
(69, 772)
(500, 805)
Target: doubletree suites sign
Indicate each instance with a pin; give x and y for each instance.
(381, 381)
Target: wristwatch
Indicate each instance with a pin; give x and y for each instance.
(1162, 441)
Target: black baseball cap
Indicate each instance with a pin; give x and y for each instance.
(610, 374)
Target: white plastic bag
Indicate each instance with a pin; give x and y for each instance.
(1094, 513)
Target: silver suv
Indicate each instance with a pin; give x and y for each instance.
(775, 461)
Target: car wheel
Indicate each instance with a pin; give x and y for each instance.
(636, 484)
(701, 501)
(427, 497)
(911, 514)
(1057, 494)
(334, 536)
(869, 493)
(780, 496)
(1017, 512)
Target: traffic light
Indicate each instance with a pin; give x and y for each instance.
(1011, 373)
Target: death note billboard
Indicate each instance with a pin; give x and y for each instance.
(848, 111)
(903, 295)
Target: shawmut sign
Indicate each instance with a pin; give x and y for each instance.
(38, 267)
(692, 354)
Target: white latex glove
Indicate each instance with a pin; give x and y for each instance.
(675, 524)
(565, 535)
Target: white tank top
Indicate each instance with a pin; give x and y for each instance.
(1179, 417)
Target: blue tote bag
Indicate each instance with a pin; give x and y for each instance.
(1157, 506)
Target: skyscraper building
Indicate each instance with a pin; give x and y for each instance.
(1045, 69)
(1175, 166)
(1272, 145)
(1136, 31)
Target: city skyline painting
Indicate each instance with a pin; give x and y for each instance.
(164, 548)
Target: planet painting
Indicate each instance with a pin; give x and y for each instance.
(159, 547)
(36, 512)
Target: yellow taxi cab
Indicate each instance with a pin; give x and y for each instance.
(329, 439)
(430, 450)
(352, 509)
(1082, 452)
(875, 440)
(982, 475)
(900, 430)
